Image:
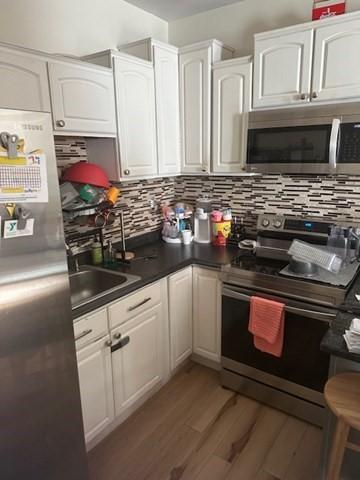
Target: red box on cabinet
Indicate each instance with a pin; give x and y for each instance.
(328, 8)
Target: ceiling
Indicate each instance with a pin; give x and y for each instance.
(173, 9)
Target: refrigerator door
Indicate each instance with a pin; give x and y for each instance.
(40, 412)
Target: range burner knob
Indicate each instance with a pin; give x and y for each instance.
(265, 223)
(277, 223)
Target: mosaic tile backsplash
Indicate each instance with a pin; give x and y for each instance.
(335, 197)
(140, 201)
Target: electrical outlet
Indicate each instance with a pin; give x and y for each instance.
(153, 204)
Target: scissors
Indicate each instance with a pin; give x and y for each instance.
(10, 143)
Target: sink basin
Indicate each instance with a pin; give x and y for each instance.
(91, 283)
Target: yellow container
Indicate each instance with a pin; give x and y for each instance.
(220, 232)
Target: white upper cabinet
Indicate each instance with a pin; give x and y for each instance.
(23, 81)
(195, 102)
(336, 72)
(167, 109)
(231, 104)
(314, 62)
(135, 97)
(83, 99)
(282, 67)
(166, 68)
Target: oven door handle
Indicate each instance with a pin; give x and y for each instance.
(324, 317)
(334, 138)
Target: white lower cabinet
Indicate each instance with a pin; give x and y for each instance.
(96, 387)
(117, 376)
(180, 316)
(207, 313)
(138, 362)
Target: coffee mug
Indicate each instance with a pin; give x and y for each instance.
(187, 237)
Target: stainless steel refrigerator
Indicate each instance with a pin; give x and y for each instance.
(41, 430)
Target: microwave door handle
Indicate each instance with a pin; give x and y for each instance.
(324, 317)
(333, 147)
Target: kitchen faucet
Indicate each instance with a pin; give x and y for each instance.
(70, 253)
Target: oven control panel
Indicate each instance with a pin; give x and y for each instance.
(270, 222)
(273, 223)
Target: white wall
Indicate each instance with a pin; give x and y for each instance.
(235, 24)
(76, 27)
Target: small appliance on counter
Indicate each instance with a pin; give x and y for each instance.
(202, 221)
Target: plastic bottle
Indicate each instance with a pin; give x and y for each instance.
(96, 252)
(109, 255)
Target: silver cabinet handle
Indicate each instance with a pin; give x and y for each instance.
(117, 335)
(60, 123)
(303, 96)
(334, 138)
(108, 343)
(83, 334)
(315, 95)
(127, 172)
(134, 307)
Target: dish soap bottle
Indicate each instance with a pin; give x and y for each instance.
(96, 252)
(109, 255)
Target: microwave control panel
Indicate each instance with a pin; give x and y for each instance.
(349, 143)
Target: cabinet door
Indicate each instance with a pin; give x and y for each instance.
(135, 97)
(23, 82)
(207, 313)
(83, 99)
(96, 389)
(282, 68)
(167, 110)
(180, 313)
(336, 72)
(138, 365)
(231, 104)
(195, 109)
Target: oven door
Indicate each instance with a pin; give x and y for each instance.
(302, 369)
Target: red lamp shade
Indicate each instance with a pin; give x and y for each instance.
(89, 173)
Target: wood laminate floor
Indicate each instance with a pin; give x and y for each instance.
(193, 429)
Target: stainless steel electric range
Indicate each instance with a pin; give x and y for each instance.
(295, 382)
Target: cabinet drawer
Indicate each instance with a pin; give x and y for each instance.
(90, 328)
(134, 304)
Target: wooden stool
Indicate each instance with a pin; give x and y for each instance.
(342, 394)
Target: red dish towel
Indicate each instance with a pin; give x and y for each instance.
(266, 323)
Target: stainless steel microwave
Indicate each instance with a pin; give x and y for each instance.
(314, 139)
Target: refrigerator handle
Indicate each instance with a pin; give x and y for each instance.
(334, 140)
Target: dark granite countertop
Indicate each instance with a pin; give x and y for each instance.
(333, 341)
(169, 259)
(351, 304)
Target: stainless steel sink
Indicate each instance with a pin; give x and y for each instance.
(91, 283)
